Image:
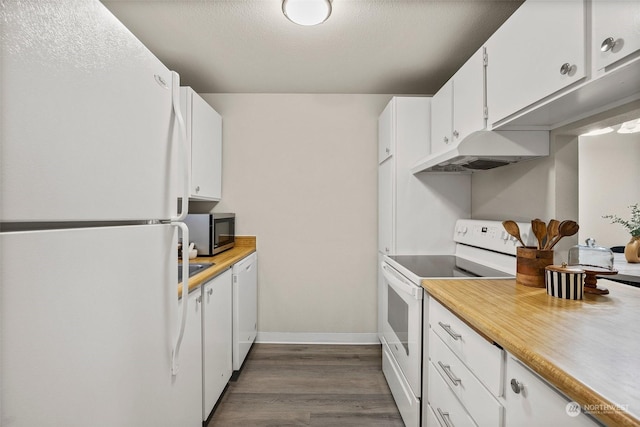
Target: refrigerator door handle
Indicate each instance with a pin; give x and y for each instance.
(182, 146)
(184, 295)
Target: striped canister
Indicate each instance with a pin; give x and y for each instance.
(564, 282)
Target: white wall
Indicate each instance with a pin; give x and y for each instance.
(609, 184)
(300, 172)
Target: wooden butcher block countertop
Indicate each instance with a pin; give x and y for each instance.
(588, 349)
(245, 245)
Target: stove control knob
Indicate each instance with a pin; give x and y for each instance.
(504, 235)
(462, 229)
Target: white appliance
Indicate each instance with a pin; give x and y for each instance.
(93, 332)
(483, 249)
(487, 149)
(245, 308)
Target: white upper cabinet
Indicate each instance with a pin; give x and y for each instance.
(616, 32)
(537, 52)
(442, 118)
(386, 132)
(204, 134)
(469, 97)
(458, 109)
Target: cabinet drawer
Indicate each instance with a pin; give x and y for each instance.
(477, 400)
(429, 417)
(482, 358)
(446, 407)
(532, 402)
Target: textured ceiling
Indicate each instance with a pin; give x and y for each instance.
(366, 46)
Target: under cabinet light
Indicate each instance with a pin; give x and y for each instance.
(601, 131)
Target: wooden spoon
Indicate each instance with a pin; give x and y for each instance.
(513, 229)
(552, 232)
(566, 228)
(539, 229)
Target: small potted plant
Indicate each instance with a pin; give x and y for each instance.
(632, 249)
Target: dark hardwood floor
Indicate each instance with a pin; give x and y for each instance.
(309, 385)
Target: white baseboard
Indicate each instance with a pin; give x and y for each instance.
(317, 338)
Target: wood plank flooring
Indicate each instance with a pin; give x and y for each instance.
(309, 385)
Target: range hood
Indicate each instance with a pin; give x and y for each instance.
(485, 149)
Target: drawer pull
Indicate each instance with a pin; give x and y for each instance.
(608, 44)
(445, 418)
(447, 370)
(450, 331)
(516, 386)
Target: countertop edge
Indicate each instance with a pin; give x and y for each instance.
(222, 262)
(569, 385)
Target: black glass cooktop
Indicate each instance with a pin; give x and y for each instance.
(445, 266)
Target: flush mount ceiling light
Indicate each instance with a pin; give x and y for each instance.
(307, 12)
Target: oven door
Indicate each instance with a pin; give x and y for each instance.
(402, 327)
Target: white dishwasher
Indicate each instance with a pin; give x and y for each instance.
(245, 307)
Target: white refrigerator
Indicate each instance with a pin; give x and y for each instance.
(92, 327)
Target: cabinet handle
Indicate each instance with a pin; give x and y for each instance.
(565, 68)
(446, 140)
(387, 150)
(516, 386)
(210, 292)
(455, 134)
(198, 189)
(199, 299)
(447, 370)
(386, 250)
(445, 418)
(456, 336)
(608, 44)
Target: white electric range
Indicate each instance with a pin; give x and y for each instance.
(483, 250)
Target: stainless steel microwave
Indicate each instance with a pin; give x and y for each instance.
(212, 233)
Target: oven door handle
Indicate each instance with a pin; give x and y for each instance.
(399, 284)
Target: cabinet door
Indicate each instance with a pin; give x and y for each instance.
(206, 151)
(442, 118)
(528, 53)
(216, 339)
(615, 31)
(530, 401)
(386, 220)
(469, 98)
(245, 308)
(386, 132)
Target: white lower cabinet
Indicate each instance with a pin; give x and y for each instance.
(429, 418)
(476, 399)
(447, 408)
(533, 402)
(481, 357)
(472, 382)
(465, 373)
(216, 339)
